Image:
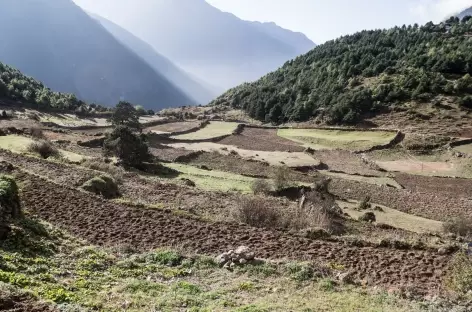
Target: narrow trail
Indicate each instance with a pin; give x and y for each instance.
(106, 223)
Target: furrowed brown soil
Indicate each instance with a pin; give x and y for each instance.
(455, 187)
(175, 126)
(345, 161)
(238, 165)
(23, 303)
(167, 153)
(261, 140)
(103, 222)
(431, 205)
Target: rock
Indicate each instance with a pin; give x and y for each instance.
(378, 208)
(446, 250)
(203, 167)
(315, 233)
(245, 253)
(242, 261)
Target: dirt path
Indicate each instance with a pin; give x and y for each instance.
(103, 222)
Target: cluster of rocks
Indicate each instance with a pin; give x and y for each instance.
(241, 256)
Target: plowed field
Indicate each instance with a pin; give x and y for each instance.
(103, 222)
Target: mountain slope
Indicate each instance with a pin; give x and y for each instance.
(157, 61)
(466, 12)
(59, 44)
(361, 75)
(216, 47)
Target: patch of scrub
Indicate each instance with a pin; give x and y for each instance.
(394, 218)
(213, 130)
(213, 180)
(372, 180)
(296, 159)
(19, 144)
(333, 139)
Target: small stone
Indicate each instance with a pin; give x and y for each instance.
(242, 261)
(346, 277)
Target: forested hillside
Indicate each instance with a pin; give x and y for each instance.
(15, 86)
(360, 75)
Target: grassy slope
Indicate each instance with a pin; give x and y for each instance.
(62, 269)
(19, 144)
(332, 139)
(214, 129)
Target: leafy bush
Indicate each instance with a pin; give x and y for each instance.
(460, 226)
(9, 197)
(459, 278)
(261, 186)
(466, 101)
(365, 204)
(37, 133)
(129, 147)
(125, 114)
(281, 178)
(43, 148)
(257, 212)
(102, 185)
(104, 166)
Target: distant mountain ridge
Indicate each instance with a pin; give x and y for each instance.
(466, 12)
(159, 62)
(217, 47)
(56, 42)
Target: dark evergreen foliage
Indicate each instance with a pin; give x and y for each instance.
(29, 92)
(346, 79)
(128, 146)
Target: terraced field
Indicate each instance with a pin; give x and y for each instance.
(191, 196)
(213, 130)
(337, 139)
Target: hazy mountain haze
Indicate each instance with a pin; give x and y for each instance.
(161, 64)
(56, 42)
(215, 46)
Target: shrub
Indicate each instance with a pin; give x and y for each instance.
(9, 198)
(460, 226)
(102, 185)
(459, 278)
(281, 178)
(43, 148)
(466, 101)
(104, 166)
(37, 133)
(257, 212)
(368, 217)
(365, 204)
(261, 186)
(128, 146)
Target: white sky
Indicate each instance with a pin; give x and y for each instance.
(322, 20)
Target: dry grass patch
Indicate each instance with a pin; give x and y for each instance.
(43, 148)
(332, 139)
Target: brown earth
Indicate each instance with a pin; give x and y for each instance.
(447, 186)
(238, 165)
(431, 205)
(23, 303)
(175, 126)
(261, 140)
(345, 161)
(103, 222)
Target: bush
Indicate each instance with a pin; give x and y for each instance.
(466, 101)
(459, 278)
(128, 146)
(460, 226)
(37, 133)
(365, 204)
(281, 178)
(260, 186)
(43, 148)
(104, 166)
(368, 217)
(102, 185)
(257, 212)
(9, 198)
